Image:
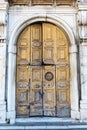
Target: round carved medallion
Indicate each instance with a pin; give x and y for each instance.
(49, 76)
(37, 43)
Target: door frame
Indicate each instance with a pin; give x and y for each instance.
(11, 83)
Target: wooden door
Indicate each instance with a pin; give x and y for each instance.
(43, 77)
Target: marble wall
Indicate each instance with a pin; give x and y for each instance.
(74, 21)
(3, 31)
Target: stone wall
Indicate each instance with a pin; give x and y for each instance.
(64, 17)
(70, 18)
(3, 28)
(82, 25)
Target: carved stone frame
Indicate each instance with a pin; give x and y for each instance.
(20, 25)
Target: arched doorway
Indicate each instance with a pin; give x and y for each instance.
(43, 81)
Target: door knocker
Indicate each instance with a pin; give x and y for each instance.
(49, 76)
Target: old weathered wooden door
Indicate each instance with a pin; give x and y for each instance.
(43, 87)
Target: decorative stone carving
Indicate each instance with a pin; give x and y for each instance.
(82, 18)
(2, 18)
(82, 22)
(3, 12)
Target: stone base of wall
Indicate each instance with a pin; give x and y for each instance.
(83, 109)
(2, 112)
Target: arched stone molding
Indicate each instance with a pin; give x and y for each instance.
(20, 25)
(16, 30)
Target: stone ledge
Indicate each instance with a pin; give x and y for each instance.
(56, 127)
(82, 6)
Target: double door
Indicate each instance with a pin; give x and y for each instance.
(42, 72)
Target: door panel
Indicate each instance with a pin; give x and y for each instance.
(36, 91)
(36, 44)
(49, 90)
(49, 43)
(22, 92)
(63, 91)
(64, 2)
(62, 55)
(23, 49)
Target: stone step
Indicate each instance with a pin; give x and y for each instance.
(45, 124)
(68, 127)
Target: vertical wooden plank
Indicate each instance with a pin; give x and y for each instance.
(22, 91)
(62, 75)
(63, 91)
(49, 43)
(23, 75)
(49, 101)
(23, 47)
(36, 91)
(36, 44)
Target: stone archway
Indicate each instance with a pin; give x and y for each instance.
(12, 64)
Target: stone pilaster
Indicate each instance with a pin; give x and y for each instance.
(82, 21)
(73, 83)
(3, 26)
(83, 57)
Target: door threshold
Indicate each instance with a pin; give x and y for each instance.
(44, 119)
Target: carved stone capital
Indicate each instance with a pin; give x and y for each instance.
(3, 12)
(82, 22)
(82, 18)
(83, 32)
